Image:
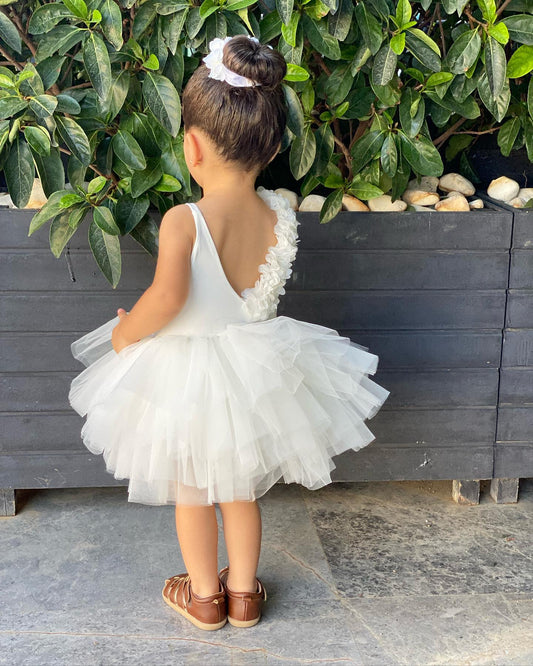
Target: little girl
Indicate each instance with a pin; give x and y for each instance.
(201, 394)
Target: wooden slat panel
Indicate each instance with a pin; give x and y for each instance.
(520, 309)
(400, 270)
(33, 431)
(515, 424)
(513, 460)
(518, 347)
(431, 349)
(521, 269)
(442, 388)
(31, 311)
(516, 386)
(486, 229)
(470, 461)
(41, 271)
(397, 310)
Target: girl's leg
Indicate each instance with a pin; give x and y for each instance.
(242, 533)
(197, 530)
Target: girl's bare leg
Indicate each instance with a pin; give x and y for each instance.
(242, 533)
(197, 530)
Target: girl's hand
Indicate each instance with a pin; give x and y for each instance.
(117, 340)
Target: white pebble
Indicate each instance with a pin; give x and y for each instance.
(353, 203)
(503, 189)
(384, 203)
(455, 182)
(291, 197)
(312, 203)
(420, 197)
(455, 202)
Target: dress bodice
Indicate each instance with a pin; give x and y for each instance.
(212, 302)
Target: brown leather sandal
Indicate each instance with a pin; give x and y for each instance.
(207, 613)
(244, 608)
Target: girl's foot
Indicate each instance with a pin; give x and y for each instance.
(207, 613)
(244, 608)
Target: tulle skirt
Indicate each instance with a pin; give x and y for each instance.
(198, 419)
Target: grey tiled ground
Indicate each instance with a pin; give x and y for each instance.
(369, 573)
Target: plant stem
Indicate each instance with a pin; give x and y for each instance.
(97, 171)
(451, 130)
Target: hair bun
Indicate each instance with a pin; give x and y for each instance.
(256, 61)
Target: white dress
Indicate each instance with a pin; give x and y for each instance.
(227, 398)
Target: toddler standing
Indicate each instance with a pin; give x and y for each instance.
(201, 394)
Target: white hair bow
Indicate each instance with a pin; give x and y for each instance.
(217, 68)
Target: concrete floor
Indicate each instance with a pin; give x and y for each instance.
(369, 573)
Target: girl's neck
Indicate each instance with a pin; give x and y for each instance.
(228, 182)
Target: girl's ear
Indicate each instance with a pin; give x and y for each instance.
(192, 145)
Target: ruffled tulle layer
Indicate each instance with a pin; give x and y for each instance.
(203, 419)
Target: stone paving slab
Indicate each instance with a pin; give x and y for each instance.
(373, 574)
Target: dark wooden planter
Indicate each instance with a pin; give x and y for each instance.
(513, 452)
(427, 292)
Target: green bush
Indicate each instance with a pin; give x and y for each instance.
(377, 91)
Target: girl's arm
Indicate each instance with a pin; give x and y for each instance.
(167, 294)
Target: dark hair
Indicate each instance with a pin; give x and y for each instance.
(245, 123)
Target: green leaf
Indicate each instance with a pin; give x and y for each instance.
(9, 34)
(403, 12)
(367, 147)
(38, 139)
(496, 105)
(207, 8)
(146, 233)
(339, 23)
(496, 64)
(77, 7)
(323, 42)
(324, 149)
(168, 184)
(74, 138)
(397, 43)
(111, 23)
(51, 171)
(106, 251)
(438, 78)
(412, 111)
(288, 30)
(371, 30)
(96, 185)
(331, 206)
(128, 150)
(270, 26)
(43, 105)
(364, 190)
(338, 85)
(520, 27)
(488, 9)
(103, 217)
(384, 66)
(521, 62)
(141, 181)
(296, 73)
(129, 211)
(295, 116)
(60, 233)
(469, 108)
(44, 18)
(19, 172)
(464, 52)
(421, 155)
(163, 100)
(10, 105)
(97, 64)
(389, 155)
(422, 50)
(284, 8)
(507, 135)
(499, 32)
(68, 200)
(50, 209)
(530, 97)
(67, 104)
(302, 153)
